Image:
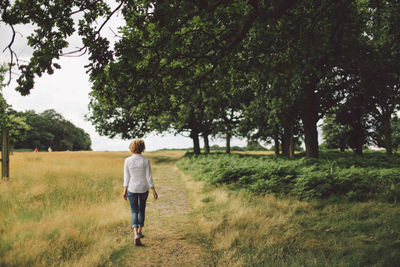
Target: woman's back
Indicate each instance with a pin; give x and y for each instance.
(137, 174)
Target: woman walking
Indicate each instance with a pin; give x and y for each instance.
(137, 181)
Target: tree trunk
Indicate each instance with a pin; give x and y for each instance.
(228, 143)
(5, 156)
(276, 142)
(309, 118)
(206, 143)
(285, 143)
(358, 137)
(388, 134)
(288, 142)
(291, 146)
(358, 149)
(196, 143)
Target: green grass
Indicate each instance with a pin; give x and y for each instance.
(248, 227)
(23, 150)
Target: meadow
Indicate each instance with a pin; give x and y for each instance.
(66, 209)
(51, 206)
(261, 210)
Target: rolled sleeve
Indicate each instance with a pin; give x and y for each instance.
(149, 176)
(126, 174)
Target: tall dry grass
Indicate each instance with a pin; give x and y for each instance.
(61, 208)
(66, 209)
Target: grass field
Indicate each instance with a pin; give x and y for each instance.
(66, 209)
(246, 228)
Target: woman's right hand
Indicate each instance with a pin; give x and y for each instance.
(155, 195)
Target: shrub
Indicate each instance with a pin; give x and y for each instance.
(335, 174)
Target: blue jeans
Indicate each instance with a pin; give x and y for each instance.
(138, 206)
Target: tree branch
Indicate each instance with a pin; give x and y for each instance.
(84, 48)
(319, 13)
(12, 53)
(246, 27)
(83, 8)
(72, 53)
(115, 35)
(109, 16)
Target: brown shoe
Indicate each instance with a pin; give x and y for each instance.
(137, 241)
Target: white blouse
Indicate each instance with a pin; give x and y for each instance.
(137, 174)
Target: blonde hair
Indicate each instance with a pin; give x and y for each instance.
(137, 146)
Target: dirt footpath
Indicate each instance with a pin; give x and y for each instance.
(167, 241)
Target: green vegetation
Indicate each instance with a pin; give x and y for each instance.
(73, 214)
(251, 230)
(333, 175)
(264, 70)
(50, 129)
(322, 224)
(337, 133)
(28, 130)
(16, 127)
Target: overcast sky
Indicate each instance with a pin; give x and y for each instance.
(66, 91)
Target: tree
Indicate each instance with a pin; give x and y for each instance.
(4, 127)
(16, 129)
(354, 113)
(179, 65)
(169, 60)
(292, 59)
(39, 135)
(335, 134)
(378, 134)
(50, 129)
(54, 23)
(396, 133)
(271, 115)
(319, 45)
(170, 26)
(234, 93)
(369, 74)
(381, 74)
(254, 145)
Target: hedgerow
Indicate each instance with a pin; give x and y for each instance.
(334, 174)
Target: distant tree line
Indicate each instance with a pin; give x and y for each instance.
(50, 129)
(265, 70)
(338, 134)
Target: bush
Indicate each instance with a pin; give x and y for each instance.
(335, 174)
